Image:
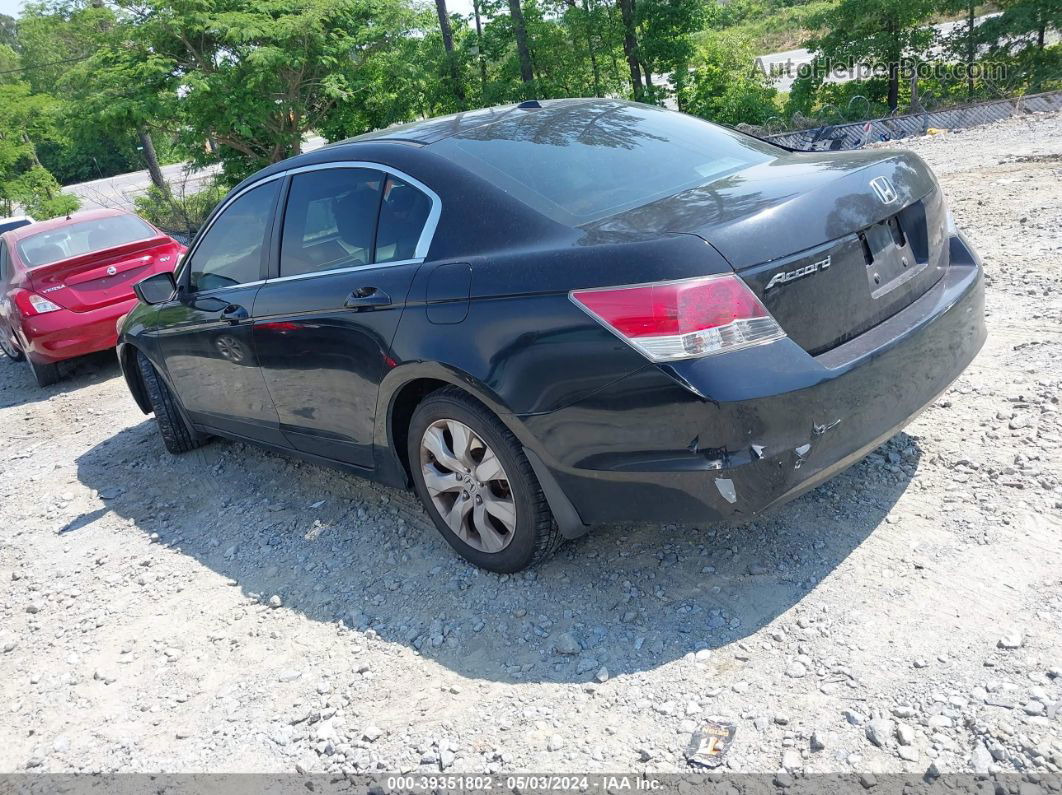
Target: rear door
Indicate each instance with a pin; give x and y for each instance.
(352, 238)
(205, 332)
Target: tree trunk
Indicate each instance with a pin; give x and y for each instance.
(590, 49)
(152, 160)
(522, 51)
(894, 85)
(479, 46)
(971, 49)
(630, 48)
(648, 72)
(448, 44)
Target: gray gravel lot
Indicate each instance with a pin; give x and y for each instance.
(235, 610)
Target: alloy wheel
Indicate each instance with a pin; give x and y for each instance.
(468, 485)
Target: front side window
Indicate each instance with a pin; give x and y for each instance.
(330, 220)
(82, 237)
(230, 252)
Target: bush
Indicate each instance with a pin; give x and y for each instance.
(177, 213)
(727, 87)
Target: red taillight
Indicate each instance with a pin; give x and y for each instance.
(30, 304)
(683, 319)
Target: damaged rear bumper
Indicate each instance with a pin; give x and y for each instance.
(731, 436)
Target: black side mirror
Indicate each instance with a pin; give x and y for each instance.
(157, 289)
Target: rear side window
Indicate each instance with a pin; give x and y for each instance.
(3, 260)
(230, 252)
(83, 237)
(330, 220)
(402, 217)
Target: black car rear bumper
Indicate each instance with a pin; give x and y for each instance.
(729, 437)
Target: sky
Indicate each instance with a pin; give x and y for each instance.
(10, 7)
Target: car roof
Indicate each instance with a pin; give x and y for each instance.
(421, 134)
(428, 131)
(54, 223)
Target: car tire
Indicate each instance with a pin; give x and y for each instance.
(499, 521)
(8, 346)
(176, 434)
(44, 374)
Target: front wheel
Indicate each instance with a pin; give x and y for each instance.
(474, 480)
(177, 434)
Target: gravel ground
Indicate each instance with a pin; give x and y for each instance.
(235, 610)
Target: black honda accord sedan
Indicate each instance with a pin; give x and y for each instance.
(564, 313)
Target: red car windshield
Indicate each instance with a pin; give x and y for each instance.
(80, 238)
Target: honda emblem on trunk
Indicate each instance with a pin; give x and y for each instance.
(884, 189)
(111, 270)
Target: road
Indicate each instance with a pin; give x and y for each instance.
(120, 190)
(790, 61)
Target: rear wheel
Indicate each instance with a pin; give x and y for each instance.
(45, 374)
(9, 346)
(474, 480)
(176, 434)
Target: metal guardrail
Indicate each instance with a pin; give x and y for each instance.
(853, 135)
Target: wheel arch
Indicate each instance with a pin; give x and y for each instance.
(403, 390)
(127, 360)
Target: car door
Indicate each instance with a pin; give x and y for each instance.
(352, 238)
(205, 333)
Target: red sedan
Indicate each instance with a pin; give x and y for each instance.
(64, 283)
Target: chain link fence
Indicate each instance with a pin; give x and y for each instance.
(855, 134)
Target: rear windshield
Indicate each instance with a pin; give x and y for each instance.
(83, 237)
(578, 163)
(7, 226)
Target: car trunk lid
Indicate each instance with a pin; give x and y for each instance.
(828, 254)
(100, 278)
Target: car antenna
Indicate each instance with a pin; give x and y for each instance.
(531, 104)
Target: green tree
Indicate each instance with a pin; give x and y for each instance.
(726, 85)
(665, 41)
(23, 180)
(1021, 31)
(875, 32)
(8, 31)
(254, 77)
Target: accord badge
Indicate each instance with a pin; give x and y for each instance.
(784, 277)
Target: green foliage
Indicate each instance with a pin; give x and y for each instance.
(1021, 32)
(8, 31)
(873, 31)
(665, 32)
(27, 118)
(178, 213)
(9, 64)
(240, 83)
(38, 194)
(772, 26)
(727, 87)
